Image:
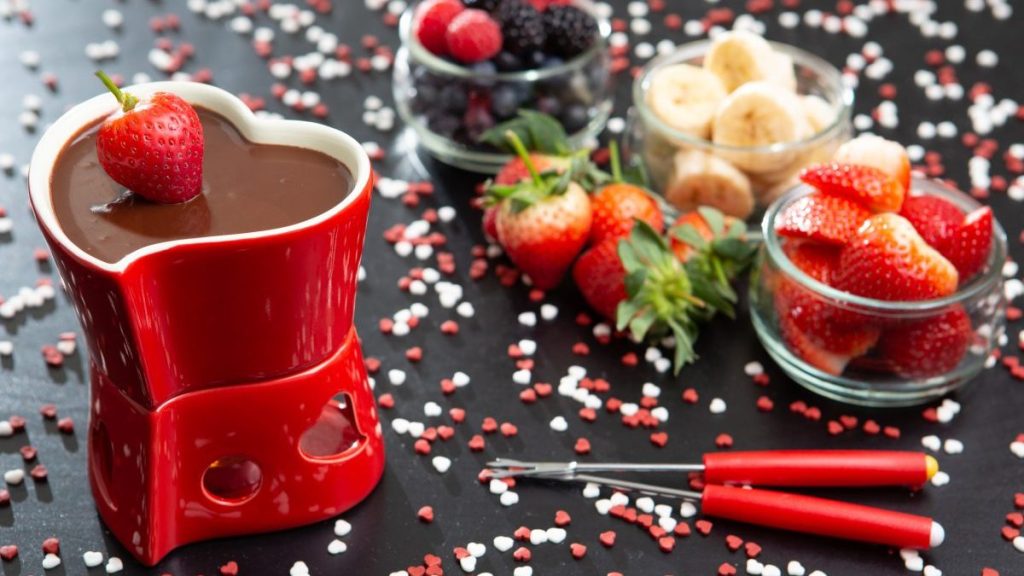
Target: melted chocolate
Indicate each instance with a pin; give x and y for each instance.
(247, 187)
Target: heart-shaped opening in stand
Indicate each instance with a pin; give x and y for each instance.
(334, 433)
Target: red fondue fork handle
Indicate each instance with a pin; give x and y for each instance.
(811, 515)
(819, 468)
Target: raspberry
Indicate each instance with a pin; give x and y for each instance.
(473, 36)
(432, 19)
(570, 31)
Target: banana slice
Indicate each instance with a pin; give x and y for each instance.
(759, 114)
(820, 114)
(702, 179)
(739, 56)
(783, 72)
(685, 97)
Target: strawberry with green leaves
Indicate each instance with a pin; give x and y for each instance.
(717, 251)
(542, 223)
(619, 203)
(641, 284)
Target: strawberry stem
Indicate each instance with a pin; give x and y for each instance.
(126, 100)
(520, 149)
(613, 151)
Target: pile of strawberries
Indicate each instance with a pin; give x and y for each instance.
(864, 231)
(554, 210)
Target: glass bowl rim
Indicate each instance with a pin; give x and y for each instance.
(979, 285)
(690, 50)
(439, 65)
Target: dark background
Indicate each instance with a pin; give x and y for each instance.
(387, 535)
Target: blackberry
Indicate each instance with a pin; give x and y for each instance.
(570, 31)
(522, 27)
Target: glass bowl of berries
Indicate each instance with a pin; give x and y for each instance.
(466, 66)
(873, 296)
(730, 122)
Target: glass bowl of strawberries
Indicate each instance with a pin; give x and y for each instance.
(466, 66)
(872, 295)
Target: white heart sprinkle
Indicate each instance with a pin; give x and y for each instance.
(460, 379)
(432, 409)
(497, 487)
(930, 570)
(662, 510)
(477, 549)
(92, 559)
(503, 543)
(687, 510)
(645, 504)
(667, 523)
(603, 506)
(754, 567)
(399, 573)
(114, 565)
(441, 463)
(753, 368)
(660, 413)
(556, 535)
(953, 446)
(651, 390)
(509, 498)
(1017, 448)
(940, 479)
(914, 564)
(522, 571)
(299, 569)
(558, 424)
(591, 490)
(342, 528)
(619, 498)
(527, 347)
(400, 425)
(538, 536)
(1018, 543)
(907, 553)
(528, 319)
(467, 563)
(51, 561)
(548, 311)
(717, 406)
(795, 568)
(771, 570)
(14, 477)
(416, 429)
(628, 409)
(931, 442)
(522, 377)
(817, 573)
(336, 547)
(396, 376)
(6, 430)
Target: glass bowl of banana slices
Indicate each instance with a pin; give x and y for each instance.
(730, 122)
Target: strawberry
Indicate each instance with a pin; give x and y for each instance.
(600, 277)
(927, 347)
(870, 186)
(934, 218)
(491, 223)
(473, 36)
(869, 150)
(822, 218)
(799, 344)
(820, 323)
(542, 223)
(887, 259)
(431, 20)
(969, 245)
(619, 204)
(682, 250)
(152, 147)
(515, 171)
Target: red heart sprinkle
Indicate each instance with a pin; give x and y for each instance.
(9, 552)
(813, 413)
(798, 407)
(1018, 500)
(752, 549)
(461, 553)
(522, 554)
(49, 411)
(733, 542)
(666, 543)
(562, 518)
(656, 532)
(835, 428)
(521, 533)
(578, 550)
(690, 396)
(416, 571)
(1015, 518)
(891, 432)
(989, 572)
(229, 569)
(723, 441)
(528, 396)
(508, 429)
(543, 389)
(659, 439)
(645, 520)
(51, 546)
(765, 404)
(445, 432)
(489, 425)
(28, 453)
(871, 427)
(66, 425)
(848, 422)
(726, 569)
(457, 414)
(582, 446)
(1009, 533)
(421, 447)
(426, 514)
(476, 443)
(703, 526)
(682, 530)
(447, 386)
(386, 401)
(39, 473)
(607, 538)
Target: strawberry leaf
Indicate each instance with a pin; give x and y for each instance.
(538, 132)
(714, 219)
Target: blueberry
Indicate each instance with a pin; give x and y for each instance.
(504, 102)
(552, 62)
(485, 68)
(443, 124)
(536, 59)
(508, 62)
(549, 105)
(453, 98)
(575, 118)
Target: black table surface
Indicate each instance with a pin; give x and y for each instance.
(387, 536)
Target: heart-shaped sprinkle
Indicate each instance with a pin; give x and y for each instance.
(51, 561)
(522, 554)
(752, 549)
(342, 528)
(426, 514)
(556, 535)
(51, 546)
(14, 477)
(835, 428)
(726, 569)
(733, 542)
(28, 453)
(421, 447)
(522, 534)
(607, 538)
(441, 463)
(582, 446)
(1009, 533)
(477, 443)
(416, 570)
(989, 572)
(299, 569)
(431, 560)
(543, 389)
(659, 439)
(39, 473)
(476, 549)
(666, 544)
(577, 550)
(562, 518)
(92, 559)
(503, 543)
(509, 499)
(229, 569)
(682, 529)
(930, 570)
(703, 526)
(468, 564)
(871, 427)
(848, 422)
(8, 552)
(1015, 518)
(508, 429)
(754, 568)
(795, 568)
(114, 565)
(460, 552)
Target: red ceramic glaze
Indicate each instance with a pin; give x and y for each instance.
(217, 363)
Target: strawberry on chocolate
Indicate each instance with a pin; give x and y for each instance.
(152, 147)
